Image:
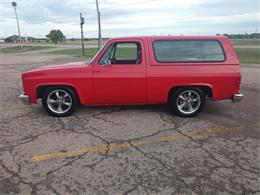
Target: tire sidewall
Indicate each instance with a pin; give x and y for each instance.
(68, 90)
(175, 95)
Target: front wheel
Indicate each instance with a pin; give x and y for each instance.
(59, 101)
(187, 101)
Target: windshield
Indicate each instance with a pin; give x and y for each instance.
(97, 53)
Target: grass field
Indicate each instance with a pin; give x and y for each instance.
(248, 55)
(90, 52)
(241, 42)
(78, 42)
(75, 52)
(249, 42)
(70, 42)
(17, 49)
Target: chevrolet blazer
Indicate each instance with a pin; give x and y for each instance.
(181, 71)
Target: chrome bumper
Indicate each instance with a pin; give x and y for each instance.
(25, 99)
(237, 97)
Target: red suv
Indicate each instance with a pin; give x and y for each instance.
(182, 71)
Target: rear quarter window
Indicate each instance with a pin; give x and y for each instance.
(188, 51)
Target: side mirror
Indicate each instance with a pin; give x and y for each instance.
(107, 63)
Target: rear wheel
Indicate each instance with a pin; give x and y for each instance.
(187, 101)
(59, 101)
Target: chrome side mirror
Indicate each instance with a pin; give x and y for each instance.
(107, 63)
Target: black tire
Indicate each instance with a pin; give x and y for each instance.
(71, 96)
(174, 101)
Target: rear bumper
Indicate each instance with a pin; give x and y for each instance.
(24, 98)
(237, 97)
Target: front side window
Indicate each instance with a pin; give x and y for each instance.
(122, 53)
(188, 51)
(106, 58)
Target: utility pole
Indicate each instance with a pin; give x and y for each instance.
(99, 26)
(14, 4)
(82, 21)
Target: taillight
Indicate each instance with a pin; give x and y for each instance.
(238, 81)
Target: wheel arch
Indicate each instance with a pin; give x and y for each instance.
(41, 88)
(207, 89)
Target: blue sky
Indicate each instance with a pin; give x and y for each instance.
(131, 17)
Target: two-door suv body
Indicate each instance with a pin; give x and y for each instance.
(182, 71)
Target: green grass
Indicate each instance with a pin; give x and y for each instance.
(75, 52)
(248, 55)
(126, 53)
(70, 42)
(248, 42)
(78, 42)
(17, 49)
(241, 42)
(90, 52)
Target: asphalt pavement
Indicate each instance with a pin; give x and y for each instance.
(127, 149)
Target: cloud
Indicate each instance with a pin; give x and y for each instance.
(131, 17)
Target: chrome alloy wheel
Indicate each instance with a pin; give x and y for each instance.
(59, 101)
(188, 102)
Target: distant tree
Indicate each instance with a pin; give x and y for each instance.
(56, 36)
(226, 35)
(243, 36)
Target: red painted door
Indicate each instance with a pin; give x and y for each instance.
(119, 77)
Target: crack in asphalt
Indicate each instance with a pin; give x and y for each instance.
(30, 138)
(230, 167)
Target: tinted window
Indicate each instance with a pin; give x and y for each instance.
(188, 51)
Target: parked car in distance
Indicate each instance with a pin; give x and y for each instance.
(180, 70)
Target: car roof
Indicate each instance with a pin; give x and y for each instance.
(171, 37)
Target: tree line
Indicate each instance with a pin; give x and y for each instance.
(242, 36)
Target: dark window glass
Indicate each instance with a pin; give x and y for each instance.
(188, 51)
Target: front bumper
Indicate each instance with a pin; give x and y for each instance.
(237, 97)
(24, 98)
